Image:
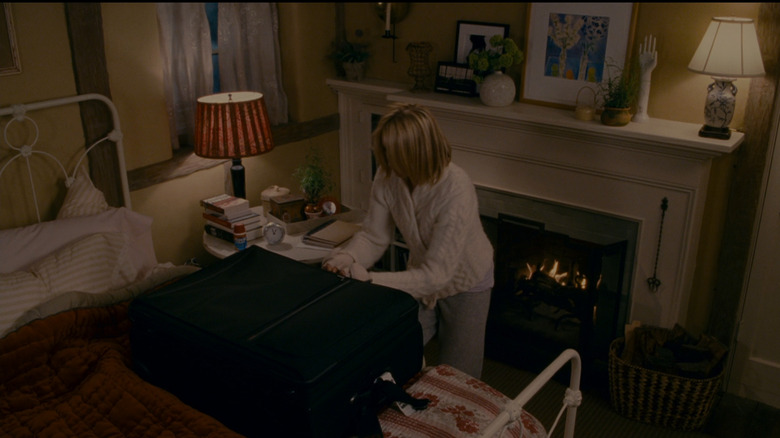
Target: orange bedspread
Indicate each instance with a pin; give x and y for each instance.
(70, 375)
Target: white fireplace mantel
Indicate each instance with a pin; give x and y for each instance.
(546, 154)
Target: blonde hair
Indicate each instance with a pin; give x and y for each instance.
(409, 142)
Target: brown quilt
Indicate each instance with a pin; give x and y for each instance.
(69, 375)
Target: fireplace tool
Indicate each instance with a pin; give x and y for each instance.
(654, 282)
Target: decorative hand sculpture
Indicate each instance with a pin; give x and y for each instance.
(648, 59)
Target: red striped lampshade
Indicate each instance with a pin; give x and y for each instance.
(232, 125)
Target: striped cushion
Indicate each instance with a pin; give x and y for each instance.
(95, 264)
(19, 291)
(82, 198)
(460, 406)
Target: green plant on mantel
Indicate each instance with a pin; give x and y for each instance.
(501, 57)
(346, 51)
(621, 89)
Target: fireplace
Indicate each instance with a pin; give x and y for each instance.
(596, 184)
(562, 277)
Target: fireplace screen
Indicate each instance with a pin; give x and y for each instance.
(552, 292)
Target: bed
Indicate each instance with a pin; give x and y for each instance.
(71, 261)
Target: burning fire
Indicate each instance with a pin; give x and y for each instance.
(578, 280)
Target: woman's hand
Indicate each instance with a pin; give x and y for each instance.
(358, 272)
(338, 264)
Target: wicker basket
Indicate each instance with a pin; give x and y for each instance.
(654, 397)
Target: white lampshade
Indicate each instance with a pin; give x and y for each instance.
(729, 49)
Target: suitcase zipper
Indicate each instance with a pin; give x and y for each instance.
(297, 310)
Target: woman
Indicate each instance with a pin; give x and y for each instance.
(433, 204)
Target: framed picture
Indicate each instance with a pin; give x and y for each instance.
(455, 78)
(9, 56)
(570, 45)
(473, 35)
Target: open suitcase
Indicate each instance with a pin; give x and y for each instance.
(274, 347)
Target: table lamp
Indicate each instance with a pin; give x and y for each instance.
(729, 50)
(233, 125)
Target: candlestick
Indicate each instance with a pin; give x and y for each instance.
(387, 19)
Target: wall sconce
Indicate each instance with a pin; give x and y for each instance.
(391, 14)
(729, 50)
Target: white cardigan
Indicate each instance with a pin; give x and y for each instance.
(448, 249)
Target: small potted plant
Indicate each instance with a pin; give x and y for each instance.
(619, 95)
(315, 181)
(350, 57)
(503, 55)
(489, 65)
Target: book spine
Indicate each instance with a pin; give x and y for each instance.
(217, 220)
(218, 232)
(220, 219)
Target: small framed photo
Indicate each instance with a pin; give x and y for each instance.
(473, 35)
(569, 45)
(455, 78)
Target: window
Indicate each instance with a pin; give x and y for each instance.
(198, 60)
(212, 13)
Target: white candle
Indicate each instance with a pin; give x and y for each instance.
(387, 18)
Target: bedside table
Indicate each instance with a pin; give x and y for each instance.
(291, 247)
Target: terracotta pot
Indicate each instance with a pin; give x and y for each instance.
(312, 210)
(615, 116)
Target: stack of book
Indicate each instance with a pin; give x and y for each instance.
(222, 213)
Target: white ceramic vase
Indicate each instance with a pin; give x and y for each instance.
(497, 89)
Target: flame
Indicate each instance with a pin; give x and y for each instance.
(578, 281)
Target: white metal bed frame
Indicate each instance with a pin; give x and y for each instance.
(19, 113)
(571, 400)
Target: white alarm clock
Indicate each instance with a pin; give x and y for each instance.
(273, 233)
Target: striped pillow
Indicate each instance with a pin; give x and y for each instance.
(95, 264)
(82, 198)
(19, 291)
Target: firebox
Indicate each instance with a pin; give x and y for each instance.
(552, 292)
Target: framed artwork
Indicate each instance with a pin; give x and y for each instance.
(9, 55)
(570, 45)
(473, 35)
(455, 78)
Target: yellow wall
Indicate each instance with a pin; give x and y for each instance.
(306, 31)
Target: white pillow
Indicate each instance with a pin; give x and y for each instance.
(82, 198)
(94, 264)
(21, 247)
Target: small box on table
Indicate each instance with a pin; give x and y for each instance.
(288, 208)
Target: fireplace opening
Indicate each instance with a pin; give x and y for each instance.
(552, 292)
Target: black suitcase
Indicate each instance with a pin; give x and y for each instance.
(274, 347)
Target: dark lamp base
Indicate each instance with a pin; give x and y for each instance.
(712, 132)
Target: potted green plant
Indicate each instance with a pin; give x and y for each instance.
(489, 65)
(619, 94)
(503, 54)
(350, 58)
(315, 181)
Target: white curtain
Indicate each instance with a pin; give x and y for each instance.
(187, 72)
(249, 60)
(249, 57)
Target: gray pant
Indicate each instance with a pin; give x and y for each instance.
(460, 322)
